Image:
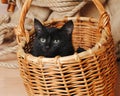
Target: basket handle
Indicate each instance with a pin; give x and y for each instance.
(20, 30)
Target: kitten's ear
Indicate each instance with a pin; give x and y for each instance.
(38, 25)
(68, 27)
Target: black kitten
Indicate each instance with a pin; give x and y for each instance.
(80, 50)
(50, 42)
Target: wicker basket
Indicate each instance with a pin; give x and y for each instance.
(90, 73)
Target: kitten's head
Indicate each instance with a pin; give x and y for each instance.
(52, 40)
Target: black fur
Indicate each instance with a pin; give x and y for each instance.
(50, 42)
(80, 50)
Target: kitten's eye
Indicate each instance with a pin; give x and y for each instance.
(56, 41)
(43, 40)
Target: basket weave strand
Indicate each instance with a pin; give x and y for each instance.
(90, 73)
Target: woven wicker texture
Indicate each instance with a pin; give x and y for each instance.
(90, 73)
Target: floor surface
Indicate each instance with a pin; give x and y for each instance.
(11, 83)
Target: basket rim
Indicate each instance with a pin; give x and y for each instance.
(76, 56)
